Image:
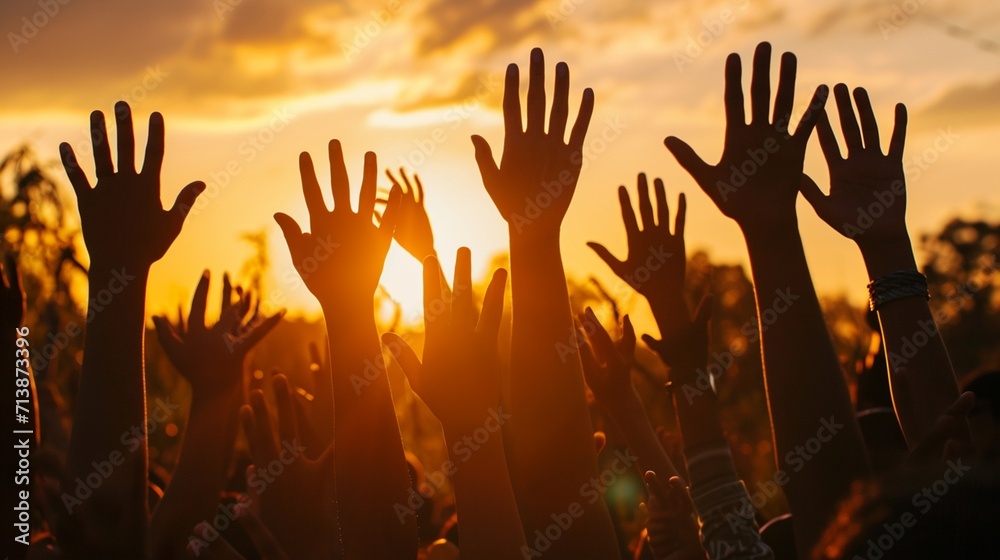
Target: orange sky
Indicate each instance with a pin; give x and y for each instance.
(247, 85)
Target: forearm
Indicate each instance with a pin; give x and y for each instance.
(630, 417)
(371, 472)
(728, 525)
(491, 526)
(200, 476)
(913, 345)
(807, 395)
(551, 447)
(112, 372)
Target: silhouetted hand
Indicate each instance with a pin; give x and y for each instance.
(673, 531)
(757, 179)
(655, 264)
(536, 166)
(123, 221)
(211, 358)
(11, 297)
(685, 350)
(342, 256)
(295, 500)
(866, 177)
(413, 227)
(460, 373)
(607, 366)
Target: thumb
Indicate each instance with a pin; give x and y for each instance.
(653, 344)
(404, 356)
(484, 158)
(813, 194)
(289, 228)
(686, 156)
(606, 256)
(185, 200)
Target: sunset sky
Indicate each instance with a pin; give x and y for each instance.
(246, 85)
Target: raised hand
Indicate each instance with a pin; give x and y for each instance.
(757, 178)
(11, 297)
(537, 168)
(864, 182)
(607, 366)
(864, 178)
(460, 373)
(686, 348)
(655, 264)
(211, 358)
(672, 527)
(460, 382)
(341, 258)
(305, 528)
(123, 221)
(413, 227)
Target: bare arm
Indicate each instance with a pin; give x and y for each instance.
(807, 396)
(126, 230)
(867, 178)
(340, 261)
(211, 359)
(551, 451)
(460, 382)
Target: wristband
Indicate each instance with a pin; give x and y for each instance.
(896, 285)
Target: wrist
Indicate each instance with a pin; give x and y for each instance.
(887, 255)
(533, 234)
(339, 307)
(771, 230)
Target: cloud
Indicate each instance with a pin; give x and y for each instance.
(969, 105)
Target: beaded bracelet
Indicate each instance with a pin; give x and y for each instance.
(896, 285)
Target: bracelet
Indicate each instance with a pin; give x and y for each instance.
(896, 285)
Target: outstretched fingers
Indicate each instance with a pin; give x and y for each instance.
(760, 83)
(560, 103)
(152, 162)
(126, 137)
(536, 93)
(77, 178)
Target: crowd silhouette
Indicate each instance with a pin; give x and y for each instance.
(326, 474)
